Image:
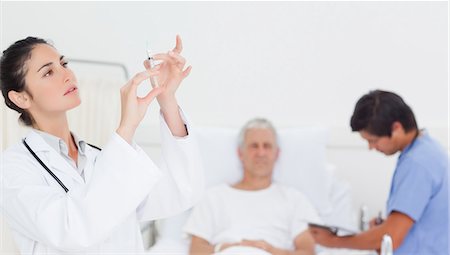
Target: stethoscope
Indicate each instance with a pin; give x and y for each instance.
(46, 168)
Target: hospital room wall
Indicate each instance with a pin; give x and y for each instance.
(296, 63)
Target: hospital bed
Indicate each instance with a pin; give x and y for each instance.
(302, 164)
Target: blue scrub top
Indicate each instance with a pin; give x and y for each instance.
(419, 189)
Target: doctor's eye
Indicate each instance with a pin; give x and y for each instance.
(64, 63)
(48, 73)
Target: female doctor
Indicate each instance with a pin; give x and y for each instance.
(61, 195)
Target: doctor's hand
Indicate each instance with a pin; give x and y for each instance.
(133, 108)
(171, 74)
(260, 244)
(324, 237)
(375, 222)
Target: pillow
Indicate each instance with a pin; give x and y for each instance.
(218, 150)
(301, 164)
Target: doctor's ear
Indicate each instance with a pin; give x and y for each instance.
(21, 99)
(397, 128)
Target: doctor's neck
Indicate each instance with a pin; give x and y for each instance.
(56, 125)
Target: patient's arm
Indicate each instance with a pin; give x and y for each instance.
(200, 246)
(304, 245)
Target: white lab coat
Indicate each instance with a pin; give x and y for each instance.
(100, 214)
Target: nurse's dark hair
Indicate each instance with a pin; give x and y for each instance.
(13, 71)
(376, 111)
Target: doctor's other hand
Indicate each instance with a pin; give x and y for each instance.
(133, 108)
(171, 73)
(224, 246)
(323, 237)
(375, 222)
(260, 244)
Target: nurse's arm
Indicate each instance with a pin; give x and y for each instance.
(397, 225)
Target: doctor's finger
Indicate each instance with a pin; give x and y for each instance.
(165, 57)
(151, 95)
(187, 72)
(148, 66)
(171, 58)
(140, 77)
(178, 59)
(130, 89)
(178, 45)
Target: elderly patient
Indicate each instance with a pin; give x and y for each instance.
(255, 215)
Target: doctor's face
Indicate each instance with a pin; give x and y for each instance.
(384, 144)
(259, 152)
(51, 84)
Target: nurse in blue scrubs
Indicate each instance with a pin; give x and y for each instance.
(417, 207)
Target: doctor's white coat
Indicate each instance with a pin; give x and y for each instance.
(100, 214)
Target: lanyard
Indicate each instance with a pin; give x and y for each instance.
(46, 168)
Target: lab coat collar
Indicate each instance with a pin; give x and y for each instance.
(91, 154)
(50, 157)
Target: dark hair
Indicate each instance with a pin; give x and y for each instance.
(13, 71)
(376, 111)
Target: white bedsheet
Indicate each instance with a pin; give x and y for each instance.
(243, 250)
(177, 247)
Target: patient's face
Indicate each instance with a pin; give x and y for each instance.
(384, 144)
(259, 152)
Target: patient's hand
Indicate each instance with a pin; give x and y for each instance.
(261, 244)
(225, 246)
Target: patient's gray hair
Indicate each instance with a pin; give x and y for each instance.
(256, 123)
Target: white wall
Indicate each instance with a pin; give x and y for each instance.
(296, 63)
